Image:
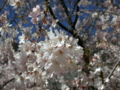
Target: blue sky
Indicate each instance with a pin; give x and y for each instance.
(14, 16)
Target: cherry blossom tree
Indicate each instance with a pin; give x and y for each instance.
(59, 45)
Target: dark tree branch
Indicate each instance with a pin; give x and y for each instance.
(2, 86)
(51, 12)
(76, 18)
(3, 5)
(113, 69)
(80, 42)
(66, 11)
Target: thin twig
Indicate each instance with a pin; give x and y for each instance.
(113, 69)
(2, 86)
(3, 5)
(66, 11)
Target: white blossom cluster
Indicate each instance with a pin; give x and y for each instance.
(48, 59)
(57, 55)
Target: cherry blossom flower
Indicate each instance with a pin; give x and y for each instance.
(15, 3)
(35, 13)
(95, 14)
(84, 3)
(58, 62)
(65, 87)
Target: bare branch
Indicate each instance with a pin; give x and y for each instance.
(114, 69)
(2, 86)
(3, 5)
(76, 18)
(66, 11)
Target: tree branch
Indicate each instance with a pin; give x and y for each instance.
(76, 18)
(2, 86)
(113, 69)
(51, 12)
(66, 11)
(3, 5)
